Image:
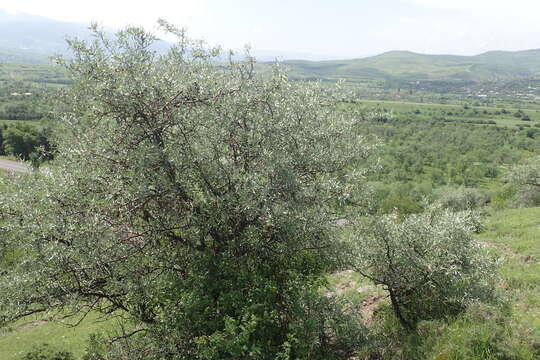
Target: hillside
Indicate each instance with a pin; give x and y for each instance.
(32, 39)
(409, 66)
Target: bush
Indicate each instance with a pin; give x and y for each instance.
(524, 183)
(47, 352)
(429, 263)
(328, 328)
(461, 199)
(24, 141)
(197, 199)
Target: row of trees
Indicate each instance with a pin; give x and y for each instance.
(20, 111)
(21, 100)
(25, 141)
(199, 203)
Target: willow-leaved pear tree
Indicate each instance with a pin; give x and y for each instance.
(429, 263)
(524, 183)
(192, 198)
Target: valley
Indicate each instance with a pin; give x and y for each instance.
(195, 206)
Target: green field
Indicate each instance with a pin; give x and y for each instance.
(37, 74)
(33, 331)
(457, 112)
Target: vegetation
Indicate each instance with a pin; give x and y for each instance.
(45, 352)
(197, 201)
(524, 183)
(429, 263)
(408, 66)
(212, 210)
(26, 142)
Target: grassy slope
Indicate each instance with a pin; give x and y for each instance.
(483, 332)
(33, 331)
(515, 235)
(400, 107)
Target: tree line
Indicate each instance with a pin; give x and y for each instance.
(25, 141)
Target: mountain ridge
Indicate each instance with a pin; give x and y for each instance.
(33, 39)
(408, 65)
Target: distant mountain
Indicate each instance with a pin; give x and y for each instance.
(32, 39)
(405, 65)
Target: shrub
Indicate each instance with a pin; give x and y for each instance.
(196, 197)
(461, 199)
(524, 182)
(47, 352)
(429, 263)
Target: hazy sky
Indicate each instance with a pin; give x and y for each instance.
(341, 28)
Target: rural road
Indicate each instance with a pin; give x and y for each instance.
(13, 166)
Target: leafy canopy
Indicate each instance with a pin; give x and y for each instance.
(189, 196)
(429, 263)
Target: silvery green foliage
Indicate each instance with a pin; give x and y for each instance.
(191, 197)
(461, 199)
(429, 263)
(525, 181)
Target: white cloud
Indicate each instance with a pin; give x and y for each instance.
(528, 8)
(113, 13)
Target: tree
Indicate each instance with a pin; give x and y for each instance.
(429, 263)
(20, 140)
(192, 198)
(26, 141)
(524, 182)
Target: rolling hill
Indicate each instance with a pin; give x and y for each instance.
(409, 66)
(32, 39)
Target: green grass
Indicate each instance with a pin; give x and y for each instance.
(508, 329)
(40, 74)
(516, 236)
(32, 331)
(475, 113)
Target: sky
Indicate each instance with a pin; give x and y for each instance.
(337, 28)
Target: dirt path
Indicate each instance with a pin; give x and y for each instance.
(13, 166)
